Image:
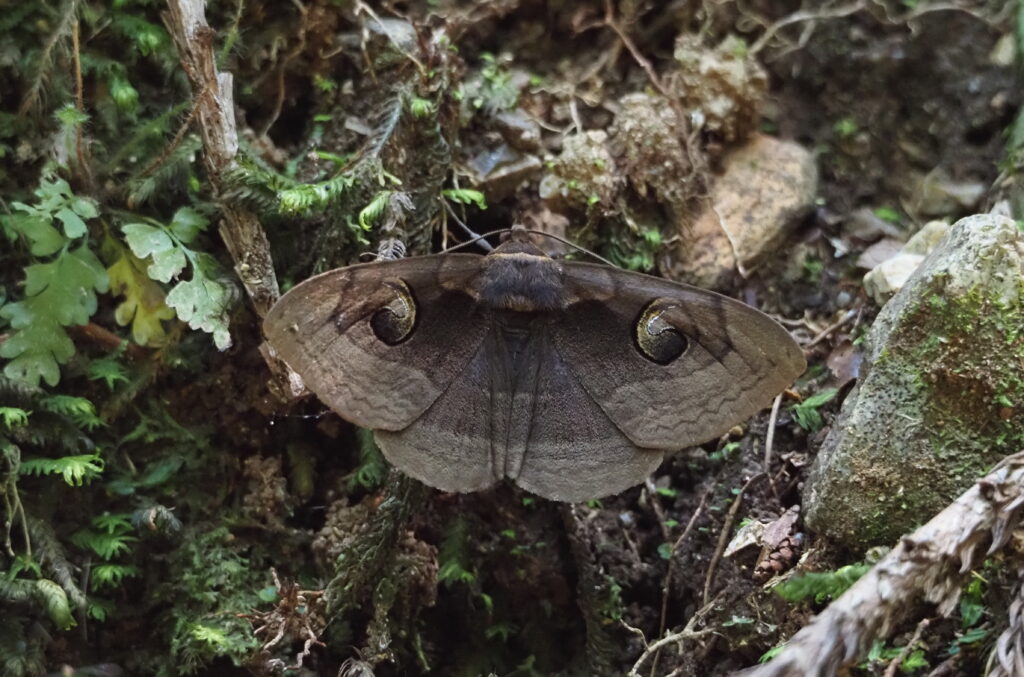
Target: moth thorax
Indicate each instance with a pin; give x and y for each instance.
(521, 282)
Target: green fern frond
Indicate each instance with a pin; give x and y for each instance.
(16, 589)
(372, 212)
(14, 417)
(111, 575)
(99, 609)
(452, 556)
(106, 546)
(22, 644)
(108, 369)
(169, 178)
(304, 197)
(465, 196)
(44, 62)
(372, 470)
(48, 549)
(113, 523)
(78, 409)
(75, 469)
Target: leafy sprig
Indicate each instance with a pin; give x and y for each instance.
(202, 301)
(60, 288)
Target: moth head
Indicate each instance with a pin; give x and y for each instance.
(395, 317)
(656, 338)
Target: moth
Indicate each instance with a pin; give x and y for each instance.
(572, 379)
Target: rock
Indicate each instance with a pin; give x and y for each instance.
(582, 175)
(499, 171)
(864, 224)
(889, 276)
(766, 186)
(651, 147)
(939, 195)
(721, 88)
(880, 252)
(927, 239)
(941, 396)
(518, 130)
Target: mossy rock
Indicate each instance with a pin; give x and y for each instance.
(941, 398)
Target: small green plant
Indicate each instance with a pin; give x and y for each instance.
(845, 128)
(889, 214)
(452, 556)
(612, 608)
(806, 413)
(209, 588)
(636, 247)
(821, 586)
(972, 614)
(493, 89)
(202, 301)
(880, 653)
(60, 286)
(813, 269)
(372, 470)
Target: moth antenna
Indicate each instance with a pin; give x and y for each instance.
(486, 246)
(477, 238)
(570, 243)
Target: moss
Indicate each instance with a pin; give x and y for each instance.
(970, 382)
(945, 404)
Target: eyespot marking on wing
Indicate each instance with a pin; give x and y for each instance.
(395, 321)
(656, 338)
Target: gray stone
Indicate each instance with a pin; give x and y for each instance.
(941, 394)
(889, 276)
(499, 171)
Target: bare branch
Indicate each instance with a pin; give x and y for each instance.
(928, 565)
(212, 91)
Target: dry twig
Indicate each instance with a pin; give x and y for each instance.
(687, 633)
(1007, 658)
(895, 663)
(723, 536)
(241, 230)
(769, 442)
(667, 585)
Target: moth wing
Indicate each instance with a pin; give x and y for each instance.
(451, 446)
(575, 452)
(735, 361)
(322, 329)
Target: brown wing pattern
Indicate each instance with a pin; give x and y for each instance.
(452, 445)
(321, 328)
(736, 361)
(574, 451)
